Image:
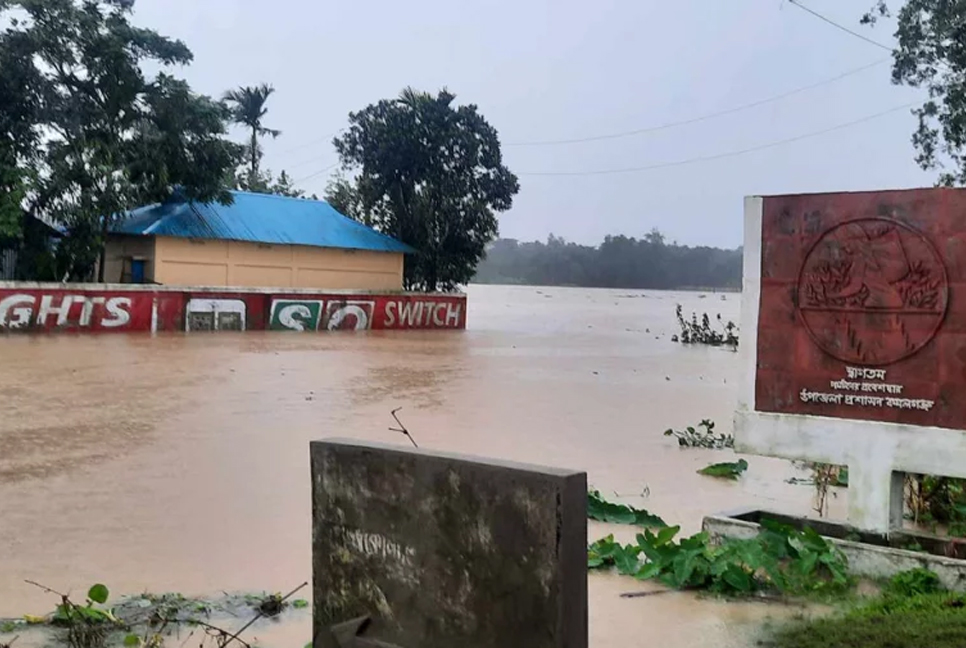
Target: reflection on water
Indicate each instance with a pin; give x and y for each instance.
(180, 463)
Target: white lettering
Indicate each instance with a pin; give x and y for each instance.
(862, 372)
(47, 309)
(864, 400)
(87, 308)
(362, 318)
(15, 310)
(294, 316)
(391, 314)
(453, 315)
(409, 313)
(379, 546)
(119, 310)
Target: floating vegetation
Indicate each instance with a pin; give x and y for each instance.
(703, 437)
(695, 331)
(725, 470)
(780, 558)
(603, 511)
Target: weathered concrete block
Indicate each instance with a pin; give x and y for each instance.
(444, 550)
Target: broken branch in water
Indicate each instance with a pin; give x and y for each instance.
(45, 588)
(402, 428)
(259, 615)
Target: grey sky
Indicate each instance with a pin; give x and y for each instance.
(543, 70)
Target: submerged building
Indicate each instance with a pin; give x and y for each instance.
(258, 241)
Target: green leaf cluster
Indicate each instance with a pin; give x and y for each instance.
(93, 613)
(89, 133)
(603, 510)
(430, 174)
(725, 470)
(779, 558)
(702, 437)
(694, 331)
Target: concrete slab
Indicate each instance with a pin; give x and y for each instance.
(439, 550)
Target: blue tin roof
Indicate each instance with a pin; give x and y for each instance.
(259, 218)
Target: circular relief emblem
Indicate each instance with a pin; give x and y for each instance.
(872, 291)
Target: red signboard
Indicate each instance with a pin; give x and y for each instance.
(862, 311)
(34, 307)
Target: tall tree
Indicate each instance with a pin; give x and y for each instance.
(19, 111)
(108, 138)
(932, 54)
(432, 175)
(247, 105)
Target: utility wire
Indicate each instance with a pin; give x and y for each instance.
(317, 173)
(310, 142)
(695, 120)
(728, 154)
(796, 3)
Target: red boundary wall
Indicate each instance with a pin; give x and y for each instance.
(127, 308)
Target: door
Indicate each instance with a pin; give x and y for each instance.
(137, 271)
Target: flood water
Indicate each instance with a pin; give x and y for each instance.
(180, 462)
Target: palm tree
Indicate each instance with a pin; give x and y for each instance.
(247, 105)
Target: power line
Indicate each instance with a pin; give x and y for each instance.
(728, 154)
(694, 120)
(311, 160)
(310, 142)
(840, 26)
(317, 173)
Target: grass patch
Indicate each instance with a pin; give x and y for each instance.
(911, 612)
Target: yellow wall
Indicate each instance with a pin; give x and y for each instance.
(194, 262)
(119, 248)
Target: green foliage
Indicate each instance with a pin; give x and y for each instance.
(703, 437)
(341, 194)
(602, 510)
(725, 470)
(132, 640)
(299, 604)
(247, 108)
(695, 332)
(936, 620)
(431, 175)
(13, 192)
(934, 501)
(779, 558)
(98, 593)
(913, 582)
(606, 553)
(266, 183)
(929, 55)
(7, 627)
(97, 137)
(618, 262)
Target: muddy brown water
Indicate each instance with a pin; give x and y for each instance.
(180, 462)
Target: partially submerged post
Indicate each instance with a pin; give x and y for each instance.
(418, 549)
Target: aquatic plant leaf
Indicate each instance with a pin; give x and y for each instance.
(725, 470)
(98, 593)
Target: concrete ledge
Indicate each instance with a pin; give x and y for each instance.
(871, 558)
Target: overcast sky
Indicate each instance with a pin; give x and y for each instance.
(549, 70)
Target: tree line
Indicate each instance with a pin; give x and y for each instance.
(618, 262)
(87, 135)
